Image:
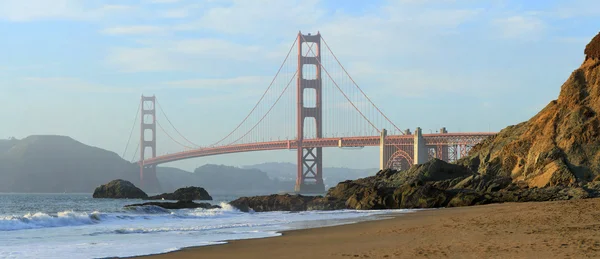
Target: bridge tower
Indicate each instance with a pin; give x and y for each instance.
(309, 177)
(148, 123)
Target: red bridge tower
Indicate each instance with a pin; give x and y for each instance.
(310, 167)
(148, 123)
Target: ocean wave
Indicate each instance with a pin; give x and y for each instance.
(70, 218)
(148, 209)
(43, 220)
(147, 230)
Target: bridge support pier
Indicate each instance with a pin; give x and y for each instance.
(421, 154)
(385, 152)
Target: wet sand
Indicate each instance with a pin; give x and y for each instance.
(563, 229)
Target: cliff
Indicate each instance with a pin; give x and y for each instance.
(558, 146)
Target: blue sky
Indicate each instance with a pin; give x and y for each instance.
(77, 68)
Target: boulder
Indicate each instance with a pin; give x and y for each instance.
(187, 193)
(462, 199)
(420, 196)
(119, 189)
(326, 203)
(183, 204)
(275, 202)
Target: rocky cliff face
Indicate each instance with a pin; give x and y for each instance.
(558, 146)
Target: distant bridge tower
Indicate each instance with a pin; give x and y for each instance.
(310, 160)
(148, 124)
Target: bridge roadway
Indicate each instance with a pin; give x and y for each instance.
(391, 140)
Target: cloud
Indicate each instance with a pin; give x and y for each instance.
(142, 60)
(520, 26)
(139, 29)
(217, 83)
(183, 55)
(257, 18)
(176, 13)
(163, 1)
(71, 84)
(30, 10)
(577, 8)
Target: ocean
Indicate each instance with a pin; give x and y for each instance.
(77, 226)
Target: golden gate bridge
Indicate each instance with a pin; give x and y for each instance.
(311, 103)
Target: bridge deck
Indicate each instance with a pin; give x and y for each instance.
(396, 140)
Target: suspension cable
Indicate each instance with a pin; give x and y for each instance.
(338, 87)
(132, 128)
(354, 82)
(164, 131)
(135, 153)
(181, 135)
(262, 97)
(270, 109)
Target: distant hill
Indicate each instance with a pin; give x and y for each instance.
(50, 164)
(331, 175)
(46, 163)
(221, 180)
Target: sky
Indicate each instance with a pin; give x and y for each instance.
(78, 67)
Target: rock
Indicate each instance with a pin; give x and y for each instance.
(119, 189)
(592, 50)
(423, 196)
(187, 193)
(326, 203)
(462, 199)
(183, 204)
(275, 202)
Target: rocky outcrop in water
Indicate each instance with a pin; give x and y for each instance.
(119, 189)
(184, 204)
(187, 193)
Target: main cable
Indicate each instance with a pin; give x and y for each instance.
(167, 117)
(132, 128)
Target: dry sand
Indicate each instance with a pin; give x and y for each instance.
(564, 229)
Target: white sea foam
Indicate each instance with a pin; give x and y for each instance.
(149, 230)
(43, 220)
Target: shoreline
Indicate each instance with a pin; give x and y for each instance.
(313, 225)
(536, 229)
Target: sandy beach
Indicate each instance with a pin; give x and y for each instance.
(563, 229)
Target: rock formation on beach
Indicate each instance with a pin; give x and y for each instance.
(553, 156)
(119, 189)
(286, 202)
(183, 204)
(187, 193)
